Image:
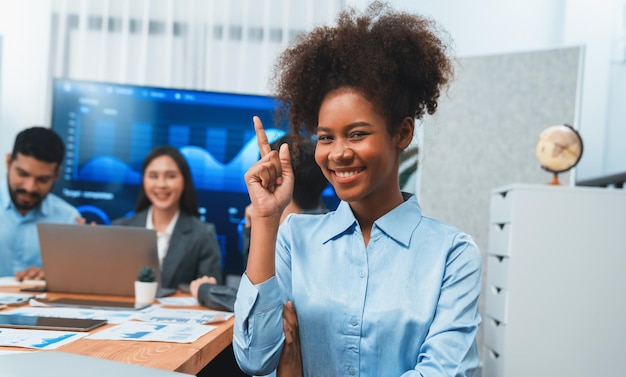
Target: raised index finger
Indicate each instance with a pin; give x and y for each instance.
(261, 137)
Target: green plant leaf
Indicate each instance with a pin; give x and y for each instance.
(146, 274)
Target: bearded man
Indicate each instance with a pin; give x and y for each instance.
(25, 200)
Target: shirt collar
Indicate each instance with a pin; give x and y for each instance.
(399, 223)
(344, 221)
(170, 227)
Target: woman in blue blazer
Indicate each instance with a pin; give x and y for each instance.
(188, 247)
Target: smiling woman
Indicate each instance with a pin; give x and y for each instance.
(373, 288)
(188, 248)
(163, 185)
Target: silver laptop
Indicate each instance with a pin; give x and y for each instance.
(102, 260)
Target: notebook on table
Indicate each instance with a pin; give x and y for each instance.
(101, 260)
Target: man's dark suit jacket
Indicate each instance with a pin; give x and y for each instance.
(193, 251)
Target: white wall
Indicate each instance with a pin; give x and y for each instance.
(590, 23)
(0, 76)
(24, 68)
(486, 27)
(615, 163)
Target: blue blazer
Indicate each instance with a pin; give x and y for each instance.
(193, 251)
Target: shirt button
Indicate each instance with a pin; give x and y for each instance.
(351, 371)
(362, 274)
(354, 321)
(250, 300)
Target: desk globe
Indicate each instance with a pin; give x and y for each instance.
(559, 149)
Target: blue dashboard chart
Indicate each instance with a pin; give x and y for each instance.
(109, 128)
(96, 159)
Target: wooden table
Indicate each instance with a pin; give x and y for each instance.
(180, 357)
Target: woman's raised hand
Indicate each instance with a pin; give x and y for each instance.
(269, 180)
(270, 186)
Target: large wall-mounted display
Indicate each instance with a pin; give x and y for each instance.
(109, 128)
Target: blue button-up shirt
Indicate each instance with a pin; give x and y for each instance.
(405, 305)
(19, 241)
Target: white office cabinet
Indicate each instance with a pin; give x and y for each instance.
(555, 290)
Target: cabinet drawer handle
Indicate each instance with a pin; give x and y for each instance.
(496, 290)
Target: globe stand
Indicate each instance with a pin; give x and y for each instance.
(555, 180)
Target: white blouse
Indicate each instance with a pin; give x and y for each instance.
(163, 238)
